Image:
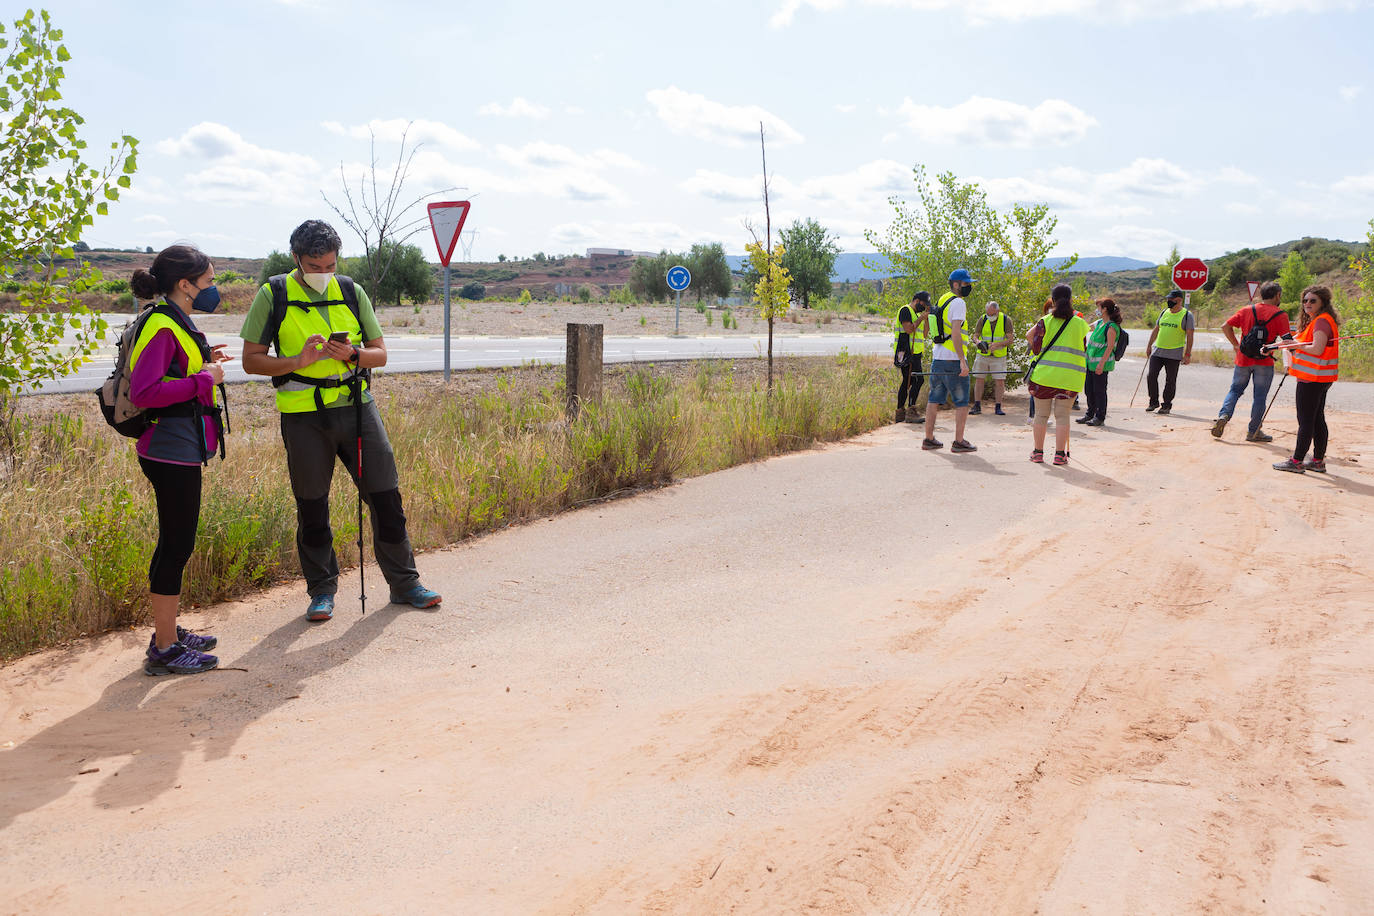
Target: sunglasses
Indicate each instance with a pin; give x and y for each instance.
(1311, 301)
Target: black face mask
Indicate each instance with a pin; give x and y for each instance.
(965, 289)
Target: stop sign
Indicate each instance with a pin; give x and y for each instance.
(1190, 274)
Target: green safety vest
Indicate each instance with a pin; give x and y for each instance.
(1097, 345)
(918, 344)
(1065, 364)
(1171, 335)
(323, 318)
(194, 361)
(998, 332)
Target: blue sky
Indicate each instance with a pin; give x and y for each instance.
(1212, 124)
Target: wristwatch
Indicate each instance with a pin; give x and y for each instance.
(354, 358)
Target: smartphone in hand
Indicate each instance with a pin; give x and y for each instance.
(340, 336)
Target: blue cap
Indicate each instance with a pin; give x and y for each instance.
(961, 276)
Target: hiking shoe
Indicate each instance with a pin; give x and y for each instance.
(900, 416)
(417, 596)
(975, 408)
(929, 444)
(1075, 404)
(1083, 419)
(1315, 464)
(1219, 427)
(177, 659)
(1152, 407)
(1292, 465)
(1061, 457)
(1038, 455)
(195, 640)
(997, 409)
(963, 445)
(1096, 421)
(321, 609)
(1259, 435)
(1164, 411)
(913, 416)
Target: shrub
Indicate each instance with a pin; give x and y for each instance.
(474, 291)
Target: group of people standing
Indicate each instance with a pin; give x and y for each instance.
(1072, 356)
(326, 338)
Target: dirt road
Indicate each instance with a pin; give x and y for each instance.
(866, 679)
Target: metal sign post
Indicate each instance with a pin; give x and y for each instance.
(446, 220)
(679, 278)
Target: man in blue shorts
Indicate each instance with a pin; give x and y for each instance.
(949, 368)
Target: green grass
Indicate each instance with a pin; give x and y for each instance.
(81, 527)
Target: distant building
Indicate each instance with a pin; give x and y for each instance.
(609, 254)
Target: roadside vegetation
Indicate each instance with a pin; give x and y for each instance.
(80, 524)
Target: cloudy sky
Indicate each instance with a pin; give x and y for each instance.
(1212, 124)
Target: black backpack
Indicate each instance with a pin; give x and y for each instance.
(1123, 340)
(1252, 343)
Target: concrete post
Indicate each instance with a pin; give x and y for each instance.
(584, 365)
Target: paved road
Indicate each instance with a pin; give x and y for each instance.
(425, 353)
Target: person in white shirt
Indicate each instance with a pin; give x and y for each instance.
(949, 373)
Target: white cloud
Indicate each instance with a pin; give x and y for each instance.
(846, 109)
(1242, 209)
(392, 130)
(518, 108)
(151, 218)
(983, 12)
(240, 172)
(719, 186)
(212, 141)
(1232, 175)
(1149, 178)
(734, 125)
(998, 122)
(1355, 184)
(1350, 93)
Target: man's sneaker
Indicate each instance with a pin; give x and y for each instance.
(1096, 421)
(177, 659)
(900, 416)
(929, 444)
(1315, 464)
(321, 609)
(1292, 465)
(417, 596)
(975, 408)
(1152, 407)
(963, 445)
(1164, 411)
(997, 409)
(1259, 435)
(1219, 427)
(1061, 457)
(1083, 419)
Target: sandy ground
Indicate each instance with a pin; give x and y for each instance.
(865, 679)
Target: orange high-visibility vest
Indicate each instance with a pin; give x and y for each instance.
(1324, 366)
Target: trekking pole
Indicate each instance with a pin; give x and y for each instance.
(357, 392)
(1274, 398)
(1141, 379)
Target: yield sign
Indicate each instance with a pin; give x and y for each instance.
(1253, 286)
(446, 219)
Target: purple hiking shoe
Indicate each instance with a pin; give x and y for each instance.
(177, 659)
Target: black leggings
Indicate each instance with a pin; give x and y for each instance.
(910, 388)
(1311, 420)
(1095, 390)
(177, 488)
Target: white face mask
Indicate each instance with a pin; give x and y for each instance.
(318, 282)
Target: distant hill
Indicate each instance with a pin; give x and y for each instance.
(849, 267)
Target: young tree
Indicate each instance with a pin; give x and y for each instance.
(649, 277)
(278, 262)
(410, 275)
(1164, 273)
(710, 271)
(378, 217)
(48, 196)
(810, 259)
(772, 291)
(1293, 277)
(954, 226)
